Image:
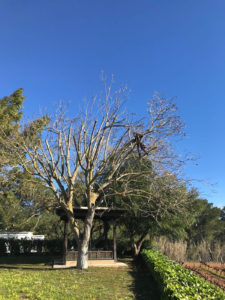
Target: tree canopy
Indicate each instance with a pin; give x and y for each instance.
(101, 156)
(98, 141)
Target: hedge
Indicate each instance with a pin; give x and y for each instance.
(177, 282)
(24, 246)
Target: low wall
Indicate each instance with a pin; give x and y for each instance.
(92, 255)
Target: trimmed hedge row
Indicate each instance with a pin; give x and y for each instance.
(177, 282)
(24, 246)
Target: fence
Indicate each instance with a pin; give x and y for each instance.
(92, 255)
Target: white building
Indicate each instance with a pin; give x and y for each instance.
(28, 235)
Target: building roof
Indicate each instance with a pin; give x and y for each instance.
(102, 213)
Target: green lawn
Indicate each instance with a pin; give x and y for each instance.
(133, 282)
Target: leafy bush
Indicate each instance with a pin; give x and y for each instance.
(24, 246)
(38, 245)
(177, 282)
(53, 246)
(147, 244)
(2, 246)
(15, 246)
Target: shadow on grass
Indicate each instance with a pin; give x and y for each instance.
(30, 268)
(26, 262)
(144, 286)
(26, 259)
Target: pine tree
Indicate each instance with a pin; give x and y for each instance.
(10, 116)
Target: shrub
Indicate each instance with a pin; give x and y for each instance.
(177, 282)
(25, 246)
(147, 245)
(38, 245)
(2, 246)
(14, 246)
(53, 246)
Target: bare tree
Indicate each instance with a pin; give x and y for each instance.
(99, 139)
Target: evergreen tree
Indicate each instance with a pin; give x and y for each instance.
(24, 198)
(10, 116)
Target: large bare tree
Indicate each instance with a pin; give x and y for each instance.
(99, 139)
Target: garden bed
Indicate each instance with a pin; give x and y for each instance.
(213, 272)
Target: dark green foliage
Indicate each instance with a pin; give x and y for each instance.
(147, 245)
(221, 233)
(53, 246)
(32, 131)
(25, 202)
(27, 246)
(27, 205)
(24, 246)
(155, 205)
(2, 247)
(12, 214)
(10, 115)
(38, 245)
(15, 246)
(10, 111)
(208, 222)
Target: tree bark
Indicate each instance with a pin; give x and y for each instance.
(82, 258)
(136, 246)
(133, 246)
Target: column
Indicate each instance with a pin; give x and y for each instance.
(114, 242)
(65, 240)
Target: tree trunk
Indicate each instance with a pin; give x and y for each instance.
(136, 246)
(82, 258)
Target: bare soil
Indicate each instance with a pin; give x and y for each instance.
(212, 272)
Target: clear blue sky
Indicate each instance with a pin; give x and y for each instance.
(55, 49)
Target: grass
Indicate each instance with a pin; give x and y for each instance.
(133, 282)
